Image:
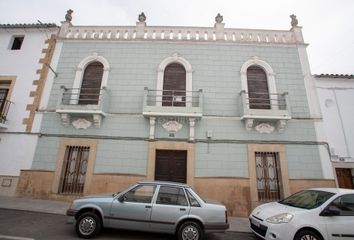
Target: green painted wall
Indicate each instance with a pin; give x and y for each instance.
(216, 70)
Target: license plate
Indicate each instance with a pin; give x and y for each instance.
(255, 222)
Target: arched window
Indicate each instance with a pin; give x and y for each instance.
(170, 69)
(258, 91)
(90, 78)
(91, 83)
(174, 85)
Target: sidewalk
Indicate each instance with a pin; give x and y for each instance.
(237, 224)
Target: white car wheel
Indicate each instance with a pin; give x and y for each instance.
(307, 235)
(88, 225)
(190, 231)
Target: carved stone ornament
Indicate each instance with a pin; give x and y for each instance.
(281, 125)
(142, 17)
(68, 16)
(65, 119)
(172, 126)
(249, 124)
(219, 18)
(81, 123)
(294, 21)
(264, 128)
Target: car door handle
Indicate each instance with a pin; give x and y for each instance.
(182, 209)
(147, 206)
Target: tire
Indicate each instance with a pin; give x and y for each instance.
(88, 225)
(307, 235)
(190, 231)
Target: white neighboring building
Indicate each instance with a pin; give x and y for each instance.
(26, 51)
(336, 96)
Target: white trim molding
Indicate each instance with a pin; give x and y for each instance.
(83, 64)
(175, 58)
(255, 61)
(265, 117)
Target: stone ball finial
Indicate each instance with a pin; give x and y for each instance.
(219, 18)
(68, 16)
(142, 17)
(294, 20)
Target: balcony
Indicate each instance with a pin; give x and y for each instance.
(262, 110)
(172, 107)
(83, 103)
(173, 103)
(4, 109)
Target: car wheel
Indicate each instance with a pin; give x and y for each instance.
(190, 231)
(307, 235)
(88, 225)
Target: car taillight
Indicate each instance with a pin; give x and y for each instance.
(226, 219)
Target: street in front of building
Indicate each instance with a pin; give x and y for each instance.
(25, 225)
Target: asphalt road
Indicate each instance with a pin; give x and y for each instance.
(23, 225)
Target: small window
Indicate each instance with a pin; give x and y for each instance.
(140, 194)
(193, 201)
(172, 196)
(17, 42)
(345, 205)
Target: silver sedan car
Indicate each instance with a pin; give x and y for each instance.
(163, 207)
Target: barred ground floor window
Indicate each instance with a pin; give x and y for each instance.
(74, 170)
(268, 176)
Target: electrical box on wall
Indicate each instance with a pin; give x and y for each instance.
(209, 134)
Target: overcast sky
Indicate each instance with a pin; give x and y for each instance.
(328, 25)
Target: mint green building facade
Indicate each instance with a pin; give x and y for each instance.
(236, 154)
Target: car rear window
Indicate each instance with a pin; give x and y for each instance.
(171, 196)
(307, 199)
(193, 201)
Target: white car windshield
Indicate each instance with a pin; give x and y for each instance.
(307, 199)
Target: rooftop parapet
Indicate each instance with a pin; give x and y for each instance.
(218, 33)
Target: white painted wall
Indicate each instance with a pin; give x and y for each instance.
(336, 97)
(17, 152)
(17, 147)
(315, 112)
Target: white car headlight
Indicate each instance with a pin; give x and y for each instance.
(280, 218)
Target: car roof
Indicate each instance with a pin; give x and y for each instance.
(166, 183)
(334, 190)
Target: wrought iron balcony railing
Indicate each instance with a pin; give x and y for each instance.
(92, 102)
(265, 107)
(83, 98)
(4, 109)
(173, 103)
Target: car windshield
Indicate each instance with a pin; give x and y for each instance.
(307, 199)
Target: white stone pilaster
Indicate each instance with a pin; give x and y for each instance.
(152, 127)
(191, 129)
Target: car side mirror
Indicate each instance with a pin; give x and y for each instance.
(330, 211)
(122, 198)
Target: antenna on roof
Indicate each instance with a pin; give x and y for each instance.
(44, 31)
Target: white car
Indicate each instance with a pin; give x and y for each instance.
(312, 214)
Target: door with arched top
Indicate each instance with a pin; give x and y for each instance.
(258, 92)
(91, 84)
(174, 86)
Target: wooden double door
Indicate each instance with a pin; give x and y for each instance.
(171, 165)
